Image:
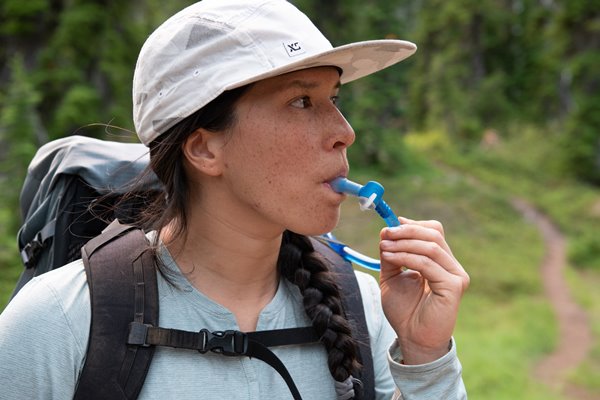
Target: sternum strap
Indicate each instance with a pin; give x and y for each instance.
(227, 343)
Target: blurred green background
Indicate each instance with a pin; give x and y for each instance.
(501, 101)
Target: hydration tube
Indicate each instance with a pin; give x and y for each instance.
(370, 197)
(350, 254)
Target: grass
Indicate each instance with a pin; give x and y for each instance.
(529, 165)
(585, 290)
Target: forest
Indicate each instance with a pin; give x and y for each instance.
(499, 106)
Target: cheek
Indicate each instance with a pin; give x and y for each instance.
(273, 169)
(277, 148)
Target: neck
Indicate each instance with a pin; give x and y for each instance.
(234, 267)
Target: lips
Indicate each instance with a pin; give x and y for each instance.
(343, 172)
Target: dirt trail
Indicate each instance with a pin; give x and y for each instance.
(575, 337)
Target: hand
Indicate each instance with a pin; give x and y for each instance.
(421, 288)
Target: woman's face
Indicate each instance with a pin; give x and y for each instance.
(288, 141)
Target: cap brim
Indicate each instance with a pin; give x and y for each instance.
(355, 60)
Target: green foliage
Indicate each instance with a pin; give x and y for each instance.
(575, 37)
(18, 129)
(21, 17)
(79, 103)
(585, 251)
(478, 67)
(80, 56)
(582, 147)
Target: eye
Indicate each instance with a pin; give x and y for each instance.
(335, 100)
(302, 102)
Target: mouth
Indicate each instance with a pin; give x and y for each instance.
(342, 173)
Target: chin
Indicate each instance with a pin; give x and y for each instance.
(319, 226)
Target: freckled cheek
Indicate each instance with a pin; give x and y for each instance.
(284, 154)
(278, 151)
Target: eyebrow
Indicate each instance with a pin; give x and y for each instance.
(304, 84)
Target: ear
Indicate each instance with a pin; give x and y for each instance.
(202, 149)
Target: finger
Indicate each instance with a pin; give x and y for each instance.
(433, 251)
(431, 224)
(440, 280)
(442, 267)
(430, 249)
(418, 232)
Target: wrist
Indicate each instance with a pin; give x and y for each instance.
(414, 354)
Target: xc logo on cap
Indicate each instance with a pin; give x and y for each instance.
(293, 48)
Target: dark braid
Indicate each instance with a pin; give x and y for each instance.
(299, 263)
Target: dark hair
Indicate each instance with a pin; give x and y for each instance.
(298, 262)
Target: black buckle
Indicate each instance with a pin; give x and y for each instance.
(138, 333)
(228, 343)
(30, 252)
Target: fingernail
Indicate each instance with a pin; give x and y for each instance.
(386, 254)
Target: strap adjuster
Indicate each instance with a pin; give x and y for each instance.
(228, 343)
(138, 334)
(30, 252)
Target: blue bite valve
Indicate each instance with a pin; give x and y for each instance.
(370, 197)
(343, 185)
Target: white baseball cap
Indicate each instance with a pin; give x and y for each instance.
(217, 45)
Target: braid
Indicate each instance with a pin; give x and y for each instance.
(299, 263)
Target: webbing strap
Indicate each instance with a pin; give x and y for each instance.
(228, 343)
(113, 261)
(32, 250)
(257, 350)
(147, 335)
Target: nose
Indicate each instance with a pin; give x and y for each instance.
(341, 135)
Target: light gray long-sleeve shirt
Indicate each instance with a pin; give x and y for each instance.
(44, 333)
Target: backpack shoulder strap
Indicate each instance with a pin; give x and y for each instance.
(123, 288)
(119, 257)
(355, 312)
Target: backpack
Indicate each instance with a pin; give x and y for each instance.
(70, 192)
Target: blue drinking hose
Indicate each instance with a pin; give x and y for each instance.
(370, 196)
(350, 254)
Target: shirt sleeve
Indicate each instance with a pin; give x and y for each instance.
(43, 336)
(440, 379)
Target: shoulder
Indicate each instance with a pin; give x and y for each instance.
(44, 333)
(56, 298)
(59, 284)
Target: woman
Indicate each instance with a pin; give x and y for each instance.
(236, 101)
